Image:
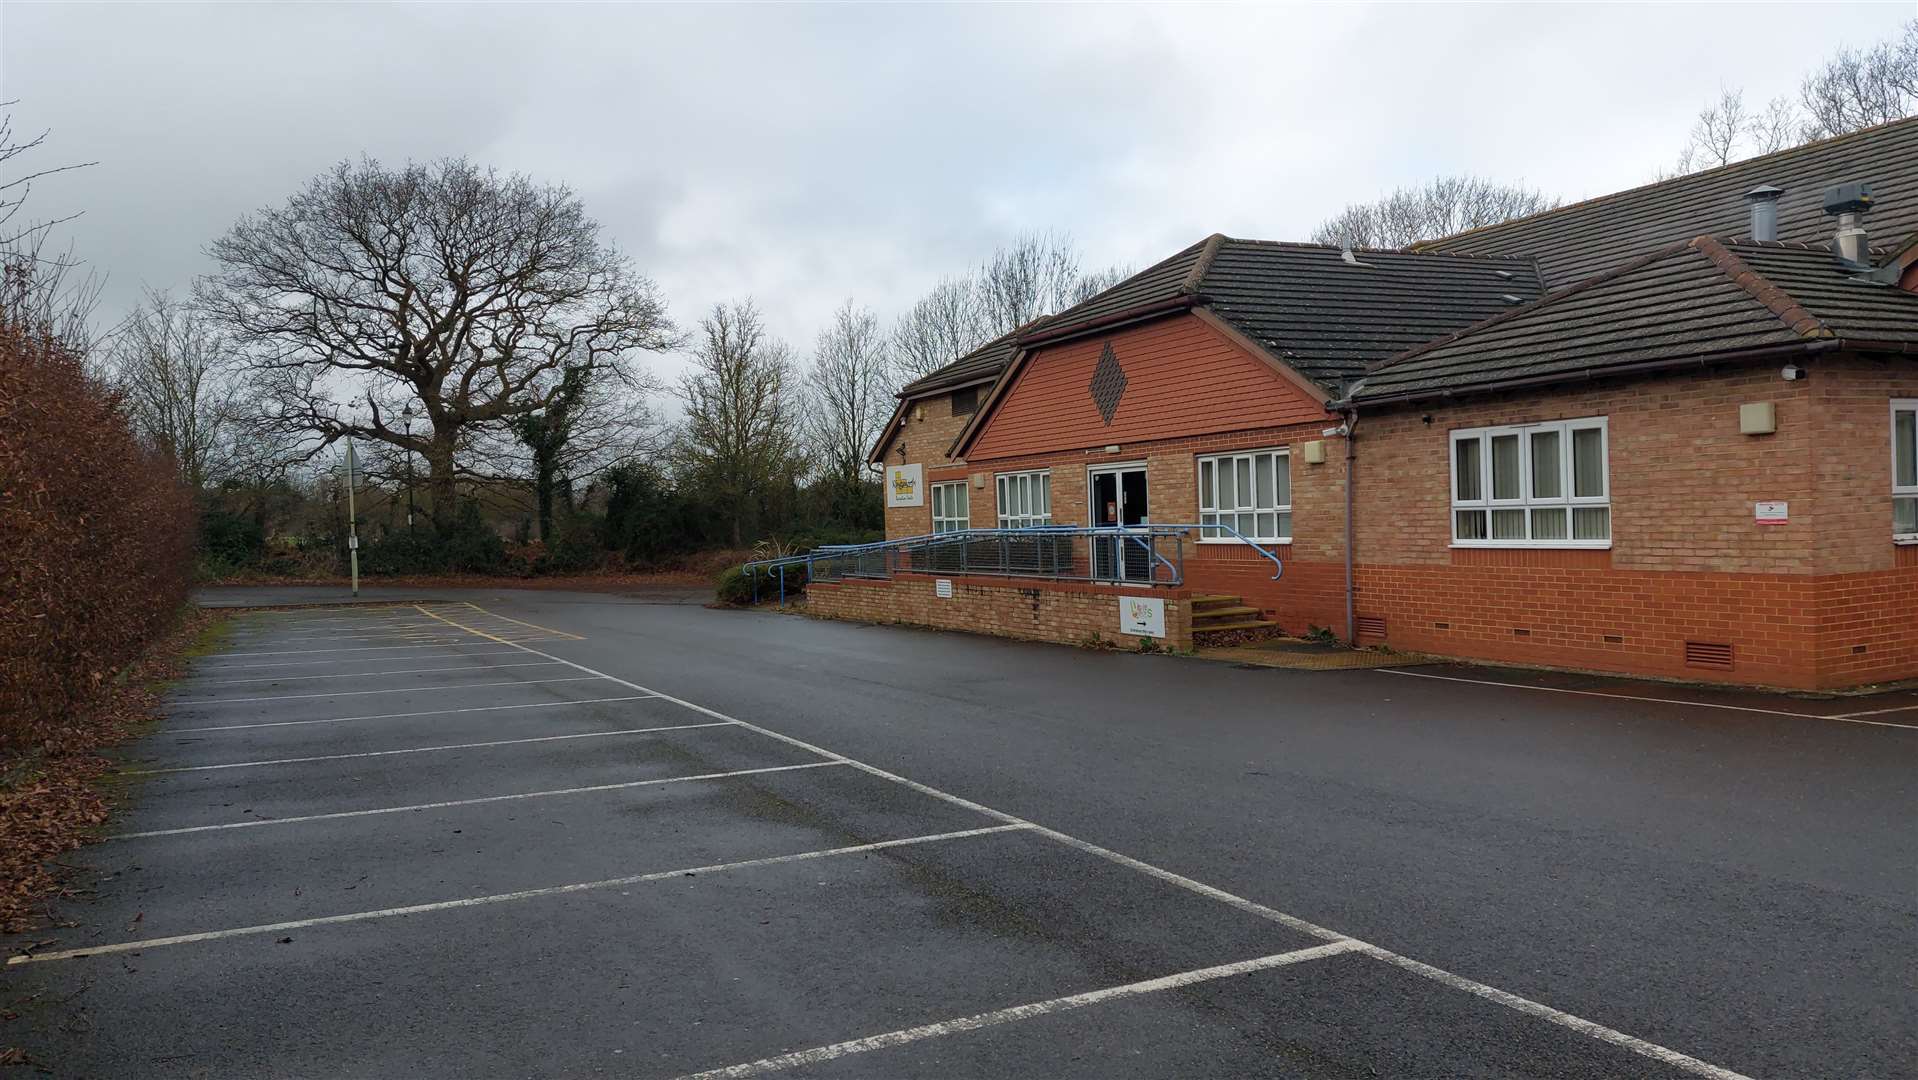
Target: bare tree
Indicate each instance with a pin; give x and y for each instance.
(849, 392)
(46, 295)
(1037, 274)
(942, 326)
(1858, 88)
(176, 372)
(1440, 207)
(1776, 128)
(452, 287)
(1719, 130)
(741, 438)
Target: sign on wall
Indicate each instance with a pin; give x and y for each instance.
(1771, 513)
(905, 485)
(1142, 616)
(942, 588)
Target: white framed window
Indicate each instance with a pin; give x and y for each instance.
(1904, 469)
(951, 507)
(1532, 485)
(1249, 492)
(1025, 499)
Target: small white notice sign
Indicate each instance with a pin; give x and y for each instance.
(1771, 513)
(942, 588)
(903, 485)
(1143, 616)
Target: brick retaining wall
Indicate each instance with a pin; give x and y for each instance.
(1067, 613)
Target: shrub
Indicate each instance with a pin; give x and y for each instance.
(230, 539)
(96, 537)
(574, 547)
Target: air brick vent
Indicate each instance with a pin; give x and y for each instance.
(1711, 654)
(1372, 626)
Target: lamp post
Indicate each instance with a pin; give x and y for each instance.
(406, 423)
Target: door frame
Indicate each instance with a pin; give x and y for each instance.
(1117, 469)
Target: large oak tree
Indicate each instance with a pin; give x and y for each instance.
(464, 292)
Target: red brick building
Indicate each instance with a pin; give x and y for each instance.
(1614, 436)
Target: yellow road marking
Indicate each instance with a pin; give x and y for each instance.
(493, 615)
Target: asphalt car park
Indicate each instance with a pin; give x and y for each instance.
(568, 835)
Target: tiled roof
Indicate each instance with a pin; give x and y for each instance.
(984, 362)
(1308, 306)
(1576, 241)
(1691, 301)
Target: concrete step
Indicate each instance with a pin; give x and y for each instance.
(1234, 613)
(1244, 624)
(1214, 600)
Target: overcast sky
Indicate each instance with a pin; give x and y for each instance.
(803, 155)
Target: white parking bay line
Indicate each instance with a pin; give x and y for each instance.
(256, 822)
(1849, 718)
(890, 1039)
(1512, 1001)
(395, 690)
(349, 660)
(399, 715)
(370, 674)
(422, 749)
(500, 898)
(443, 643)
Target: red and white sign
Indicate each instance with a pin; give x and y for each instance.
(1771, 513)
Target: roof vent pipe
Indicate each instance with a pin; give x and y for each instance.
(1850, 203)
(1764, 203)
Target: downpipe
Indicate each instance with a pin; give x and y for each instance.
(1351, 486)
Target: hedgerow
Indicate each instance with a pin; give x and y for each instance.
(96, 539)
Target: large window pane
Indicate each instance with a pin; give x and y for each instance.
(1467, 467)
(1262, 468)
(1508, 524)
(1588, 463)
(1228, 497)
(1548, 472)
(1505, 468)
(1242, 486)
(1284, 467)
(1591, 523)
(1904, 441)
(1208, 493)
(1549, 524)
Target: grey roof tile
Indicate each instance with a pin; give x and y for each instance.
(1698, 300)
(1574, 242)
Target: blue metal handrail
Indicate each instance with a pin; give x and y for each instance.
(1145, 537)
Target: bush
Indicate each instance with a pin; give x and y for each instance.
(735, 586)
(466, 546)
(574, 547)
(96, 538)
(230, 539)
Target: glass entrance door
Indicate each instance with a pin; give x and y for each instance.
(1119, 499)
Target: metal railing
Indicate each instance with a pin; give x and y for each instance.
(1147, 555)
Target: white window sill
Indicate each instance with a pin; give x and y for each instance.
(1236, 542)
(1531, 545)
(1904, 540)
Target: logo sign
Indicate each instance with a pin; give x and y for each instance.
(1771, 513)
(942, 588)
(1142, 616)
(904, 485)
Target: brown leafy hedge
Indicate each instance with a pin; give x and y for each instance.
(96, 542)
